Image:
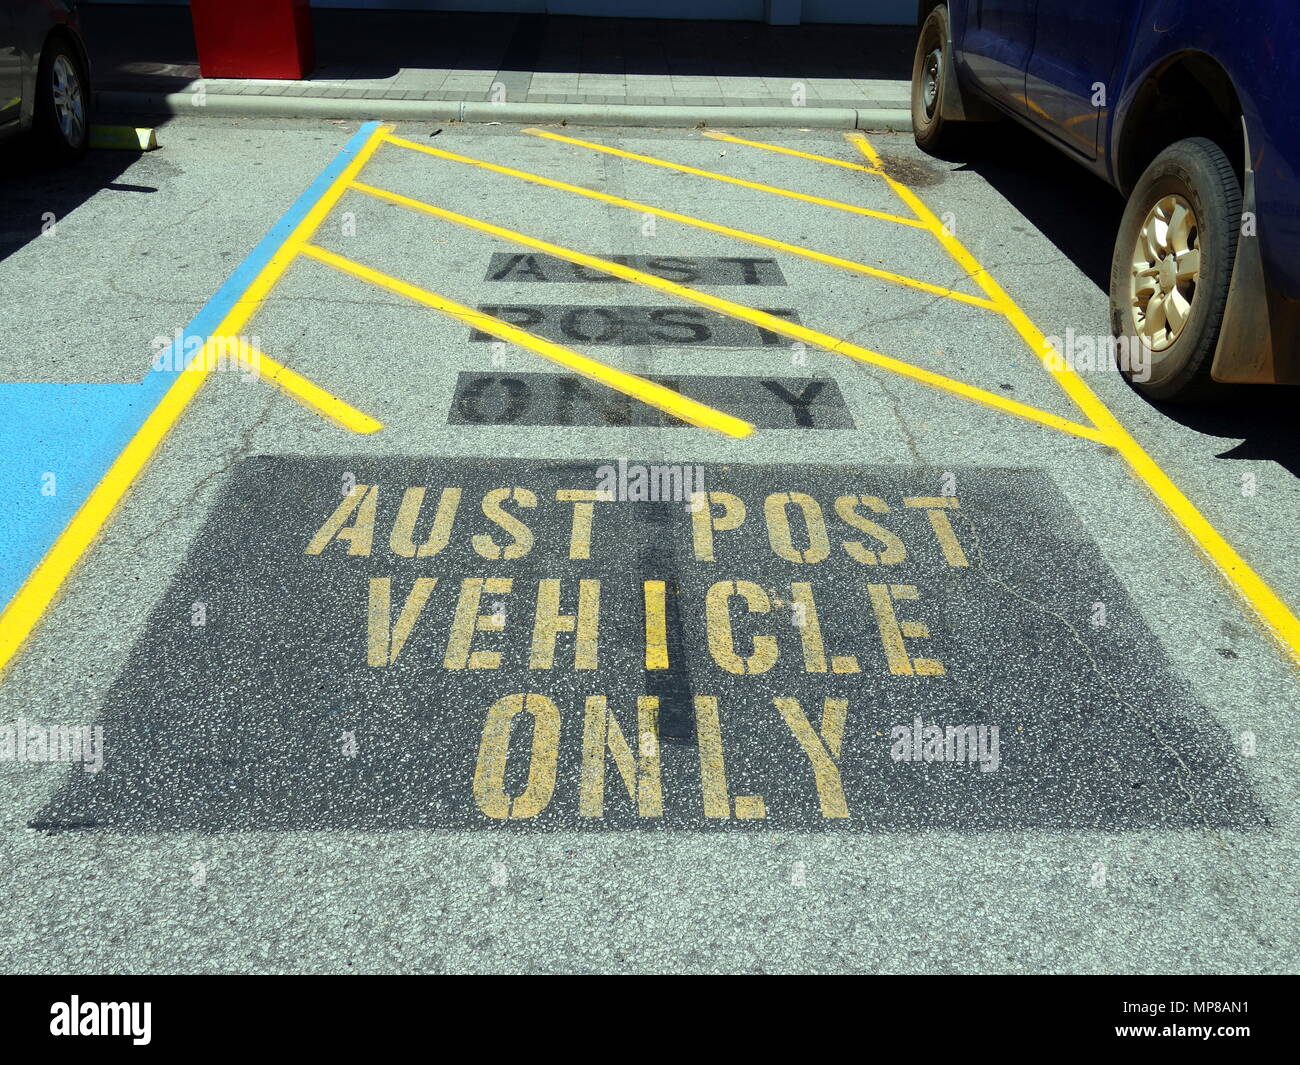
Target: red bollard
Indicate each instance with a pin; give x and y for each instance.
(253, 38)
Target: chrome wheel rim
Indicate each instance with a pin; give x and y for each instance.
(930, 82)
(69, 108)
(1166, 265)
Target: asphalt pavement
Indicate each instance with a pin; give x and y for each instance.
(622, 550)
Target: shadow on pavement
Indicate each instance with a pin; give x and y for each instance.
(1076, 211)
(151, 48)
(1080, 214)
(1263, 417)
(37, 196)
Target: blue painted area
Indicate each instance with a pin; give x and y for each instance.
(57, 440)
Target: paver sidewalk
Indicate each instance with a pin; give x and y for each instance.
(530, 59)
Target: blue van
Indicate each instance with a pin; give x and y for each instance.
(1191, 108)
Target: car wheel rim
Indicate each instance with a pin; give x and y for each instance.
(930, 82)
(1166, 265)
(69, 108)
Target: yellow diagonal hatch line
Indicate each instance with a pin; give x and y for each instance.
(713, 134)
(775, 190)
(1269, 606)
(755, 317)
(306, 392)
(656, 395)
(24, 611)
(700, 223)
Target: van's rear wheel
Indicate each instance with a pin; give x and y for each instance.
(932, 132)
(1171, 269)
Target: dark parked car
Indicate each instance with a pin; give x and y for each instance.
(1191, 108)
(44, 76)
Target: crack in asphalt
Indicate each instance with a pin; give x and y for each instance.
(1094, 667)
(238, 451)
(897, 406)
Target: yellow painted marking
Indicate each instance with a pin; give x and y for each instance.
(656, 395)
(715, 135)
(775, 190)
(308, 393)
(549, 623)
(689, 220)
(936, 509)
(722, 644)
(893, 631)
(891, 634)
(704, 522)
(656, 626)
(494, 510)
(401, 541)
(584, 502)
(490, 771)
(822, 749)
(44, 582)
(1267, 604)
(759, 318)
(776, 511)
(383, 643)
(642, 776)
(895, 551)
(468, 620)
(360, 535)
(713, 766)
(809, 626)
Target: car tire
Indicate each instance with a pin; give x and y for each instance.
(1171, 269)
(61, 122)
(932, 132)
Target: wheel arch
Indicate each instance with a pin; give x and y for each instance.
(67, 35)
(1188, 94)
(923, 9)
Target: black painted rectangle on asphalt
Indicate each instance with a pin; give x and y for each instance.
(638, 326)
(394, 643)
(684, 269)
(567, 399)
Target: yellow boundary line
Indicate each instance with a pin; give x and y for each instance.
(1105, 427)
(1270, 607)
(656, 395)
(838, 205)
(700, 223)
(43, 584)
(747, 314)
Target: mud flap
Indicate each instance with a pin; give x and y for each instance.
(1245, 353)
(953, 105)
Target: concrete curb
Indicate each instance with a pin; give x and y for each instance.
(182, 103)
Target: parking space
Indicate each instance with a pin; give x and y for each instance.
(694, 510)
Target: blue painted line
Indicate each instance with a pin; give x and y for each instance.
(58, 440)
